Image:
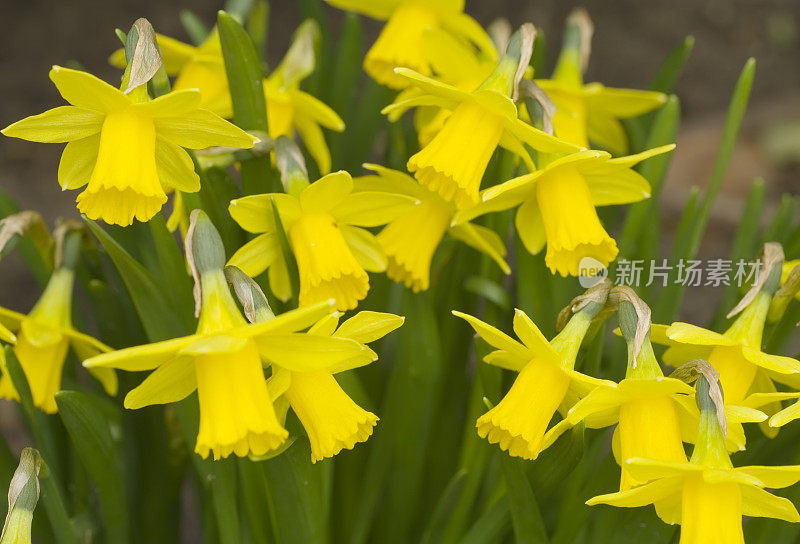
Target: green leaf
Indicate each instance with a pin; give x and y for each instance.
(489, 290)
(491, 526)
(525, 515)
(447, 503)
(159, 318)
(90, 429)
(670, 71)
(194, 26)
(286, 251)
(243, 67)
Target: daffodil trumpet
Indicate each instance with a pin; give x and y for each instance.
(222, 361)
(556, 205)
(520, 422)
(455, 160)
(707, 496)
(44, 336)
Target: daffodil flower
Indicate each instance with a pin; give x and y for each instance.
(288, 107)
(591, 112)
(557, 205)
(401, 43)
(454, 162)
(519, 422)
(43, 338)
(324, 222)
(126, 147)
(410, 239)
(332, 420)
(707, 496)
(222, 361)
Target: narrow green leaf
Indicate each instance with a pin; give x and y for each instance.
(444, 508)
(492, 526)
(258, 28)
(194, 26)
(525, 515)
(223, 488)
(90, 430)
(670, 71)
(159, 318)
(780, 227)
(254, 492)
(243, 67)
(286, 251)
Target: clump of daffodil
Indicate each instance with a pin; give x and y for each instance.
(453, 62)
(736, 354)
(401, 43)
(126, 148)
(557, 205)
(454, 162)
(324, 224)
(222, 361)
(707, 496)
(410, 239)
(44, 336)
(654, 414)
(288, 107)
(332, 420)
(519, 422)
(591, 112)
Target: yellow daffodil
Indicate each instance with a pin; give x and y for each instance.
(126, 147)
(288, 107)
(454, 162)
(707, 496)
(557, 205)
(332, 420)
(43, 338)
(401, 42)
(519, 423)
(323, 221)
(591, 112)
(410, 240)
(453, 62)
(222, 361)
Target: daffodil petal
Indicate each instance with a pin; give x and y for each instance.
(306, 353)
(632, 160)
(611, 185)
(643, 495)
(504, 359)
(773, 477)
(314, 141)
(537, 139)
(279, 282)
(396, 109)
(317, 110)
(371, 209)
(431, 86)
(583, 384)
(775, 363)
(258, 254)
(84, 90)
(606, 131)
(254, 213)
(327, 192)
(171, 382)
(365, 247)
(759, 503)
(377, 9)
(599, 400)
(175, 167)
(61, 124)
(461, 24)
(495, 337)
(366, 326)
(326, 326)
(144, 357)
(171, 104)
(10, 318)
(77, 162)
(387, 181)
(621, 103)
(686, 333)
(527, 331)
(649, 387)
(510, 143)
(86, 346)
(554, 433)
(199, 129)
(107, 378)
(484, 240)
(291, 321)
(786, 415)
(651, 469)
(530, 226)
(211, 345)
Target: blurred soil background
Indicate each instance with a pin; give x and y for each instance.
(632, 37)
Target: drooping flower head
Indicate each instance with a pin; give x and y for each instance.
(707, 496)
(289, 109)
(331, 419)
(591, 112)
(324, 224)
(519, 422)
(557, 205)
(44, 336)
(402, 43)
(222, 361)
(454, 162)
(744, 369)
(126, 148)
(410, 240)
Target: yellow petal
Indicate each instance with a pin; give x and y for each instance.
(287, 322)
(686, 333)
(254, 213)
(377, 9)
(175, 167)
(199, 129)
(279, 282)
(307, 353)
(653, 469)
(84, 90)
(365, 248)
(465, 26)
(171, 382)
(172, 104)
(484, 240)
(642, 495)
(632, 160)
(773, 477)
(495, 337)
(530, 226)
(61, 124)
(539, 140)
(600, 400)
(613, 185)
(214, 344)
(763, 504)
(77, 162)
(504, 359)
(314, 141)
(144, 357)
(775, 363)
(388, 181)
(711, 513)
(370, 209)
(527, 331)
(432, 86)
(397, 108)
(327, 192)
(621, 103)
(607, 132)
(257, 255)
(107, 378)
(317, 110)
(366, 327)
